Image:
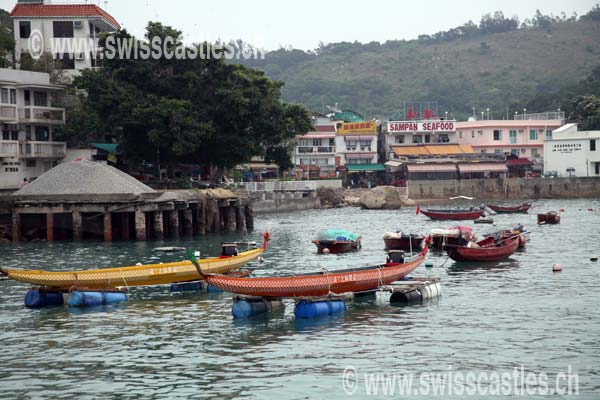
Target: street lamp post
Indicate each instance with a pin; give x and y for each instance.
(488, 113)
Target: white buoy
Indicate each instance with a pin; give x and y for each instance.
(197, 253)
(557, 268)
(326, 251)
(260, 259)
(138, 264)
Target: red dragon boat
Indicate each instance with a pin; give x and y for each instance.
(523, 208)
(318, 283)
(456, 215)
(518, 231)
(402, 241)
(487, 249)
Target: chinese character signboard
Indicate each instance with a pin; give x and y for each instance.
(348, 128)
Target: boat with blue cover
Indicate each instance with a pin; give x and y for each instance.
(337, 241)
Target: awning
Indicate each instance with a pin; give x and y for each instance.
(355, 138)
(482, 167)
(359, 156)
(393, 164)
(433, 149)
(365, 167)
(108, 147)
(317, 136)
(431, 167)
(513, 162)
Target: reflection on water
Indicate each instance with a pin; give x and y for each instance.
(492, 316)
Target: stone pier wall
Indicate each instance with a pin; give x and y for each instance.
(510, 188)
(164, 215)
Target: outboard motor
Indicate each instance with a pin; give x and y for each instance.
(395, 256)
(229, 250)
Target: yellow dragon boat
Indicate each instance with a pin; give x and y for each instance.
(138, 275)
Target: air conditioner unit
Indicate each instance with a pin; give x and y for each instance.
(80, 56)
(541, 130)
(480, 132)
(77, 24)
(520, 130)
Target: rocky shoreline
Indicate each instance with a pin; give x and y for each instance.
(378, 198)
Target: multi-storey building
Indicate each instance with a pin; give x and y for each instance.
(522, 137)
(65, 30)
(315, 152)
(570, 152)
(27, 120)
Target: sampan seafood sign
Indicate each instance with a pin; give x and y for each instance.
(426, 126)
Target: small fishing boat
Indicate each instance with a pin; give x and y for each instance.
(456, 235)
(551, 217)
(403, 241)
(137, 275)
(320, 283)
(519, 231)
(522, 208)
(483, 220)
(488, 249)
(337, 241)
(457, 214)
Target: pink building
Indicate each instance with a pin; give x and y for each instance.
(523, 137)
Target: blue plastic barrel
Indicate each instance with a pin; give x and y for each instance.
(213, 289)
(186, 287)
(114, 297)
(36, 298)
(413, 296)
(312, 309)
(246, 309)
(90, 298)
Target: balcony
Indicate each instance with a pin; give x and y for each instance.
(315, 150)
(8, 113)
(42, 149)
(42, 115)
(9, 148)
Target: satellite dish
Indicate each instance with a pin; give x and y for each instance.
(471, 119)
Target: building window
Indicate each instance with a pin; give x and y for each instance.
(30, 163)
(24, 29)
(593, 145)
(67, 61)
(40, 99)
(498, 151)
(332, 142)
(514, 152)
(548, 134)
(460, 134)
(533, 134)
(427, 138)
(535, 152)
(497, 134)
(400, 139)
(597, 168)
(42, 133)
(512, 135)
(417, 139)
(316, 142)
(8, 96)
(63, 29)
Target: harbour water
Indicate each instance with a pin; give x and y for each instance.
(492, 317)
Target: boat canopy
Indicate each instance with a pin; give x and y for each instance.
(338, 234)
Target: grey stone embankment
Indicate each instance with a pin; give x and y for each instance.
(271, 202)
(380, 197)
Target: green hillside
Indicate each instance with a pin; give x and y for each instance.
(496, 70)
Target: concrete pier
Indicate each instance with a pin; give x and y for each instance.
(77, 226)
(159, 230)
(107, 227)
(140, 225)
(144, 213)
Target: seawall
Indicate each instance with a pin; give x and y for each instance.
(510, 188)
(270, 202)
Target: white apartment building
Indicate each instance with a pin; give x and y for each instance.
(27, 120)
(72, 24)
(572, 153)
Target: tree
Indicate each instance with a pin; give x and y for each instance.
(586, 111)
(200, 110)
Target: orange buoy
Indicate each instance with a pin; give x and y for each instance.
(562, 210)
(556, 268)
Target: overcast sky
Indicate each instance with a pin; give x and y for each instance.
(271, 24)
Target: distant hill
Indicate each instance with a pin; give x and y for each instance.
(493, 70)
